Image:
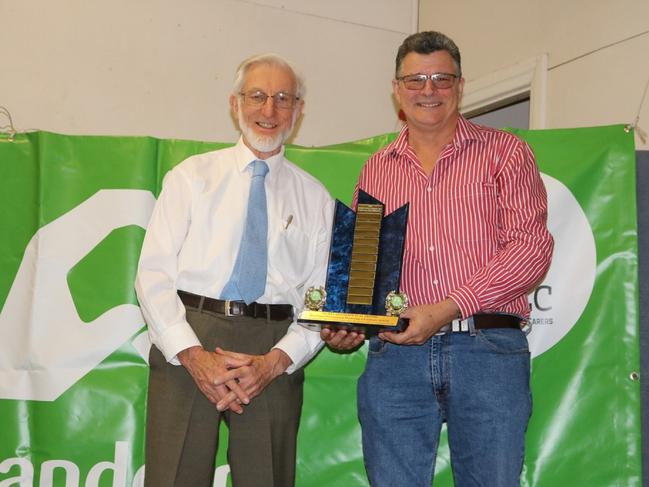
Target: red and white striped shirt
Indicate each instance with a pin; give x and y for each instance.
(477, 225)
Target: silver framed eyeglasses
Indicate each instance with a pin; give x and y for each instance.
(258, 98)
(418, 81)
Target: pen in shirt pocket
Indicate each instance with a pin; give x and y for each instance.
(288, 222)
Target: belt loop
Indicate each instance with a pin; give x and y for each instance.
(267, 307)
(200, 304)
(471, 323)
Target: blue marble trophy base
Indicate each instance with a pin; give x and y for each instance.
(372, 318)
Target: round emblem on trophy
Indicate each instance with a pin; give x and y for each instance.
(396, 303)
(315, 298)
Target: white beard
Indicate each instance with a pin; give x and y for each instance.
(264, 143)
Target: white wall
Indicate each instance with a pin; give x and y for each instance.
(597, 51)
(165, 68)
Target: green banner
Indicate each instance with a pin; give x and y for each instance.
(73, 344)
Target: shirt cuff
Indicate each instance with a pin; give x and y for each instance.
(174, 340)
(300, 345)
(466, 300)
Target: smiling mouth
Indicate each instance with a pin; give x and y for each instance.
(429, 104)
(266, 125)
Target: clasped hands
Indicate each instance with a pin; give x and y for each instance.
(231, 380)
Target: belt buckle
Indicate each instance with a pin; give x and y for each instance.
(227, 310)
(460, 325)
(455, 325)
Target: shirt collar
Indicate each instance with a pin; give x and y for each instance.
(399, 145)
(465, 132)
(244, 156)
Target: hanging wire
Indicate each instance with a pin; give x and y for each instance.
(9, 129)
(641, 133)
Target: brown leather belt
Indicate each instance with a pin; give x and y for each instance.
(495, 320)
(275, 312)
(482, 321)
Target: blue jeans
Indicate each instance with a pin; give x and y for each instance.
(478, 384)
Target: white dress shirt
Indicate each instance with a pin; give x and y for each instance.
(193, 239)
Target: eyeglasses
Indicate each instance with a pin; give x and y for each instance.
(418, 81)
(258, 99)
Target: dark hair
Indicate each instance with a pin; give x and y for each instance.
(427, 43)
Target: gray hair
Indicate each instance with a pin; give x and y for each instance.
(271, 60)
(427, 43)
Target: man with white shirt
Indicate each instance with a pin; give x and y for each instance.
(217, 296)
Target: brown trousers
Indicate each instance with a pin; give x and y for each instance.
(182, 425)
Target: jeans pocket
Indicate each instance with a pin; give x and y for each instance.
(504, 340)
(376, 347)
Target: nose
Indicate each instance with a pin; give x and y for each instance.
(268, 108)
(429, 87)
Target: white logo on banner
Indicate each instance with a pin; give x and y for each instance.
(117, 467)
(46, 347)
(563, 295)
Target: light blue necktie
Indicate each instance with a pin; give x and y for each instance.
(248, 279)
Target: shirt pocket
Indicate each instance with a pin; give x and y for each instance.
(472, 212)
(291, 255)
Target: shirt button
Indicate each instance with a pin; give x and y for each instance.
(429, 189)
(431, 248)
(436, 282)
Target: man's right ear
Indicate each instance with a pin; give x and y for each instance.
(234, 106)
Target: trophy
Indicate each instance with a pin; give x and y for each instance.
(364, 271)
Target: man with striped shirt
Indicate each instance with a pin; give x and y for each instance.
(476, 244)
